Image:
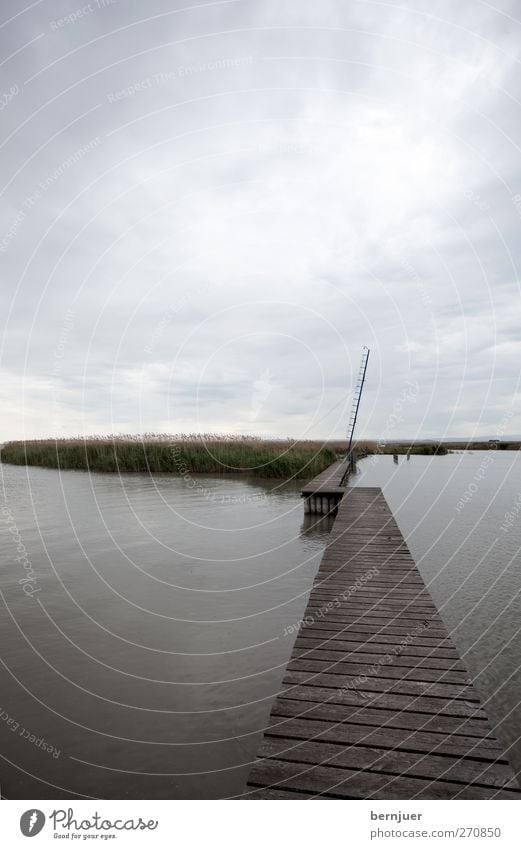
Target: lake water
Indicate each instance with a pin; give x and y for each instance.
(146, 649)
(149, 644)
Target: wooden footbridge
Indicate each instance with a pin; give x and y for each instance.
(324, 493)
(375, 702)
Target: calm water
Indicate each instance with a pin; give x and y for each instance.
(148, 646)
(452, 510)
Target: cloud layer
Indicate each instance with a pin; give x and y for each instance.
(207, 211)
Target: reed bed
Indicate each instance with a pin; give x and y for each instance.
(177, 454)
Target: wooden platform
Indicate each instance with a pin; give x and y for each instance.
(324, 493)
(375, 702)
(326, 480)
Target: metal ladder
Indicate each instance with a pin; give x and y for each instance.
(354, 412)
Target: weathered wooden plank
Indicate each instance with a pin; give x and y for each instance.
(381, 718)
(390, 761)
(361, 784)
(352, 599)
(374, 684)
(383, 670)
(418, 622)
(378, 613)
(270, 793)
(384, 634)
(341, 558)
(368, 616)
(328, 587)
(356, 597)
(363, 657)
(347, 734)
(364, 576)
(352, 594)
(404, 629)
(374, 615)
(397, 596)
(390, 701)
(385, 642)
(366, 601)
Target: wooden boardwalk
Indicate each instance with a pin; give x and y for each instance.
(324, 493)
(328, 479)
(375, 702)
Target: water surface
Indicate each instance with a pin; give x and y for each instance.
(149, 644)
(146, 650)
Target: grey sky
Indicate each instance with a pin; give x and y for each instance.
(207, 209)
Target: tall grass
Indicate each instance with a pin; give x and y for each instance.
(176, 454)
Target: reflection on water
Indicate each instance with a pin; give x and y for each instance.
(317, 526)
(149, 650)
(454, 511)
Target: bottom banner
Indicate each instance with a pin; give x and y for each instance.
(258, 824)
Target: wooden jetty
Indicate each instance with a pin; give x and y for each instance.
(375, 702)
(324, 493)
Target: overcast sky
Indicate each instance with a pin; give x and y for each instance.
(208, 208)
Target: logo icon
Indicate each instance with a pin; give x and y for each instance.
(32, 822)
